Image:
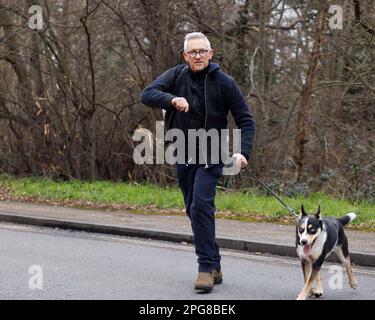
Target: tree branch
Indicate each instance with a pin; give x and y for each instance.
(357, 17)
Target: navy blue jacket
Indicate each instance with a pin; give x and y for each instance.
(221, 95)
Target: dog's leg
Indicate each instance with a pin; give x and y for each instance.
(306, 269)
(343, 254)
(308, 285)
(318, 292)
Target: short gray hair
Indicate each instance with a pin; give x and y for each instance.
(195, 35)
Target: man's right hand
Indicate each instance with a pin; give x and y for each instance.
(180, 104)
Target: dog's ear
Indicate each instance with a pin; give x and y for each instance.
(317, 214)
(319, 217)
(303, 213)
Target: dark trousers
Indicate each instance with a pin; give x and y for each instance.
(198, 185)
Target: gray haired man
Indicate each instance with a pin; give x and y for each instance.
(196, 96)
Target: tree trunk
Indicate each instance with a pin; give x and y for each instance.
(304, 100)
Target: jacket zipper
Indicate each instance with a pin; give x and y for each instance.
(205, 118)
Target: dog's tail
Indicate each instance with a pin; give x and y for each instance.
(347, 219)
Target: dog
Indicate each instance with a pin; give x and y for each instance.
(316, 238)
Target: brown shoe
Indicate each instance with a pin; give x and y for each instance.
(217, 275)
(205, 282)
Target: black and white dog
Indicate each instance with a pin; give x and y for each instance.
(316, 238)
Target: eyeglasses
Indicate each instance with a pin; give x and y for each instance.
(193, 54)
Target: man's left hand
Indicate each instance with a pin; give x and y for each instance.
(240, 160)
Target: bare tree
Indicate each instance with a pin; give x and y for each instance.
(69, 93)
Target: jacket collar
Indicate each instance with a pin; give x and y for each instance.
(212, 67)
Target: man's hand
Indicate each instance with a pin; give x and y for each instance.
(240, 160)
(180, 104)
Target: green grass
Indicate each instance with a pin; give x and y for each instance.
(268, 206)
(105, 192)
(240, 205)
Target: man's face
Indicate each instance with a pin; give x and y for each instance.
(198, 62)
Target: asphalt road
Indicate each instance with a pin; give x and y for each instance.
(61, 264)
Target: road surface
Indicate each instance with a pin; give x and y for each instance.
(43, 263)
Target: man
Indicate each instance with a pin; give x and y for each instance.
(199, 96)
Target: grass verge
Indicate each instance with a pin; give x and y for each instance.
(240, 205)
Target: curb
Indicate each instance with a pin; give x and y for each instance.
(358, 258)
